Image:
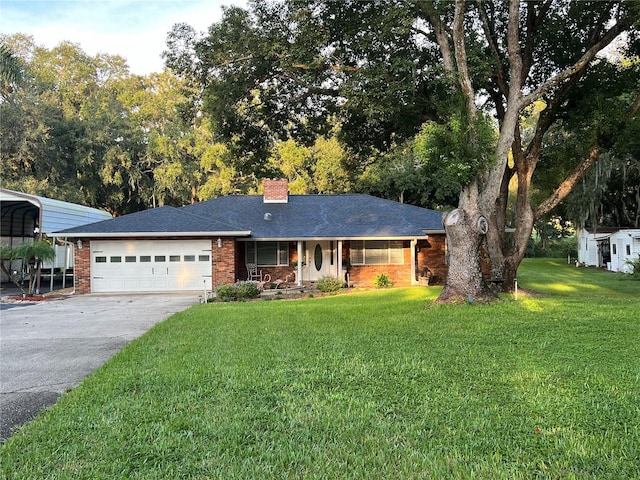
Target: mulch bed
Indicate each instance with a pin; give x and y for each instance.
(33, 298)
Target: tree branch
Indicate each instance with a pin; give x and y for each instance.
(234, 61)
(321, 67)
(567, 185)
(440, 31)
(489, 34)
(578, 66)
(635, 107)
(461, 59)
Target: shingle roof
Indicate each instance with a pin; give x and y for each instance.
(163, 220)
(318, 216)
(303, 216)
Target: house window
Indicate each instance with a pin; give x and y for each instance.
(376, 252)
(628, 250)
(614, 249)
(267, 254)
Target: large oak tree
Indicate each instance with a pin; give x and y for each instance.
(382, 69)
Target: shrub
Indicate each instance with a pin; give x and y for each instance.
(557, 248)
(382, 281)
(329, 284)
(247, 290)
(635, 268)
(227, 293)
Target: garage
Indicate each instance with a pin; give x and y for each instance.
(150, 265)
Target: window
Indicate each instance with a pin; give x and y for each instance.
(115, 259)
(131, 259)
(203, 258)
(267, 253)
(160, 258)
(174, 258)
(189, 258)
(628, 250)
(101, 259)
(614, 249)
(145, 258)
(376, 252)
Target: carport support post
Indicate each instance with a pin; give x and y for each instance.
(53, 265)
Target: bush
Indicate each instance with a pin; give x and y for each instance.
(329, 284)
(558, 248)
(227, 293)
(382, 281)
(635, 265)
(247, 290)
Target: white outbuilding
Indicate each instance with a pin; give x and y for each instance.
(610, 248)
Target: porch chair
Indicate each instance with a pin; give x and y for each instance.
(253, 273)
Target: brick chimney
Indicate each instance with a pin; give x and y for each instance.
(276, 190)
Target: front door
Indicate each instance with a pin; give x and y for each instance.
(321, 262)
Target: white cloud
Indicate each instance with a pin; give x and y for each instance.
(134, 29)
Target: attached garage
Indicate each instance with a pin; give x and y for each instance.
(150, 265)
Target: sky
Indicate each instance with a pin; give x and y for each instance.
(134, 29)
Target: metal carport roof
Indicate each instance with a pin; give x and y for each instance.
(48, 214)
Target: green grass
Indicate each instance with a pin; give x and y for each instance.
(369, 385)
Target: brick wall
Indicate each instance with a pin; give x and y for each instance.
(224, 262)
(430, 255)
(82, 266)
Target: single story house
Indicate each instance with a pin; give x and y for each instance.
(293, 238)
(609, 248)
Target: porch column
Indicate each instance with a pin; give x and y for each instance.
(339, 260)
(414, 244)
(299, 272)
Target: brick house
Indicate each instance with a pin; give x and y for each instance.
(294, 238)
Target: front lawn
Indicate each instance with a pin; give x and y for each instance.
(368, 385)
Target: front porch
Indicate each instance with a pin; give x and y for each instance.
(301, 263)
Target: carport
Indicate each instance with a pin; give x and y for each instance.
(26, 217)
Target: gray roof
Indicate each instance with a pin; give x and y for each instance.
(165, 221)
(303, 216)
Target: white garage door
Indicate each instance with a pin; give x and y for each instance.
(150, 265)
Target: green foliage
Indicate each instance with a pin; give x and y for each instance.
(227, 293)
(32, 255)
(382, 280)
(455, 151)
(557, 248)
(329, 284)
(361, 386)
(319, 168)
(10, 70)
(635, 267)
(247, 290)
(237, 292)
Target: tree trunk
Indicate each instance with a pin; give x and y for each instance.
(466, 228)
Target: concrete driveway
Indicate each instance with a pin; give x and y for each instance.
(50, 346)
